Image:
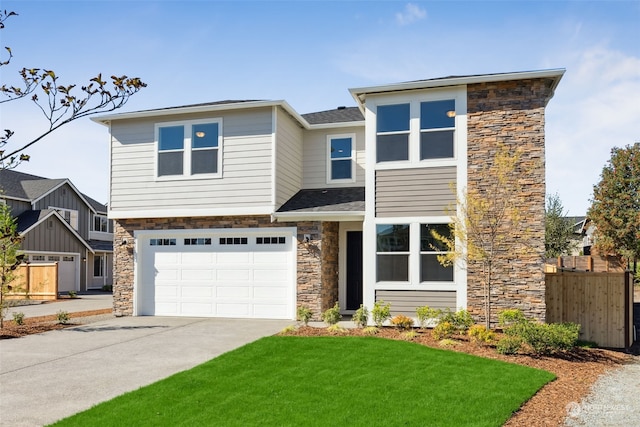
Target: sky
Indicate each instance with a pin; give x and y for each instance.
(310, 53)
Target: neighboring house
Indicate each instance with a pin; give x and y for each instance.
(250, 209)
(583, 235)
(60, 224)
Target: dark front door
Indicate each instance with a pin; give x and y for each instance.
(354, 270)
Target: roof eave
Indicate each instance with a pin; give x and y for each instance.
(320, 126)
(106, 119)
(360, 94)
(319, 216)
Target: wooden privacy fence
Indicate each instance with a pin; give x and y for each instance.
(35, 281)
(598, 263)
(602, 303)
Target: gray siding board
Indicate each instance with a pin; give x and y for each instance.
(65, 197)
(406, 302)
(288, 158)
(415, 192)
(55, 238)
(17, 206)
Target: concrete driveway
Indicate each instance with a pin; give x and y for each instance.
(52, 375)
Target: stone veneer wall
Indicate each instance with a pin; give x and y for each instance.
(512, 114)
(317, 269)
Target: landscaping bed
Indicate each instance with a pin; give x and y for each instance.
(575, 370)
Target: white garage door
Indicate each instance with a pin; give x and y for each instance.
(205, 273)
(68, 269)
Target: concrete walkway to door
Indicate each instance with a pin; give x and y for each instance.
(49, 376)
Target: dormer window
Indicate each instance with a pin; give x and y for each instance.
(69, 215)
(189, 149)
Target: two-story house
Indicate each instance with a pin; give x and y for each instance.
(250, 209)
(60, 224)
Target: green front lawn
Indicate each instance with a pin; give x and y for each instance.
(323, 381)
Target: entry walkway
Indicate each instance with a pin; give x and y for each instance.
(88, 301)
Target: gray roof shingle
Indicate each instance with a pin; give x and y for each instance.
(25, 186)
(349, 199)
(339, 115)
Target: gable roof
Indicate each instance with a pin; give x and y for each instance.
(31, 188)
(30, 219)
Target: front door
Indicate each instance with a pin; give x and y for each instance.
(354, 270)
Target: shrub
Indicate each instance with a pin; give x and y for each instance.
(510, 316)
(73, 294)
(480, 334)
(426, 313)
(546, 338)
(63, 317)
(304, 314)
(18, 318)
(402, 322)
(461, 320)
(409, 335)
(107, 288)
(288, 330)
(361, 316)
(370, 330)
(381, 312)
(443, 330)
(509, 344)
(336, 329)
(448, 342)
(332, 315)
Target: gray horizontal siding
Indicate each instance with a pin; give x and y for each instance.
(288, 158)
(406, 302)
(246, 166)
(415, 192)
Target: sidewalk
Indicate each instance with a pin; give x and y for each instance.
(87, 301)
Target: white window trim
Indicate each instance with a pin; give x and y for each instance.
(93, 223)
(352, 136)
(103, 264)
(73, 216)
(187, 149)
(414, 100)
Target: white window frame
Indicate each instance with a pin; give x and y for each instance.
(414, 100)
(187, 149)
(352, 158)
(73, 216)
(103, 259)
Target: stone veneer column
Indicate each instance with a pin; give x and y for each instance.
(317, 269)
(511, 114)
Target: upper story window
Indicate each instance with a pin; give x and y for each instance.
(392, 130)
(189, 148)
(341, 158)
(100, 223)
(415, 130)
(437, 125)
(69, 215)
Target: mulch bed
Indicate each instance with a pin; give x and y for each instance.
(36, 325)
(576, 372)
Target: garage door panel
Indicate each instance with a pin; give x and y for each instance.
(234, 258)
(197, 308)
(270, 292)
(166, 309)
(192, 291)
(271, 275)
(240, 274)
(198, 258)
(271, 257)
(233, 310)
(233, 292)
(164, 291)
(201, 273)
(270, 311)
(172, 274)
(168, 258)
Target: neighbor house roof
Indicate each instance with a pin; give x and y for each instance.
(30, 188)
(339, 115)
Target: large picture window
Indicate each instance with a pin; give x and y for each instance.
(430, 268)
(341, 158)
(392, 247)
(189, 148)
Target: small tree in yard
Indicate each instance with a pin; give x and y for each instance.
(486, 227)
(558, 229)
(615, 207)
(10, 258)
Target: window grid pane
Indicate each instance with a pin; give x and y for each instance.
(204, 135)
(171, 138)
(393, 118)
(204, 161)
(438, 114)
